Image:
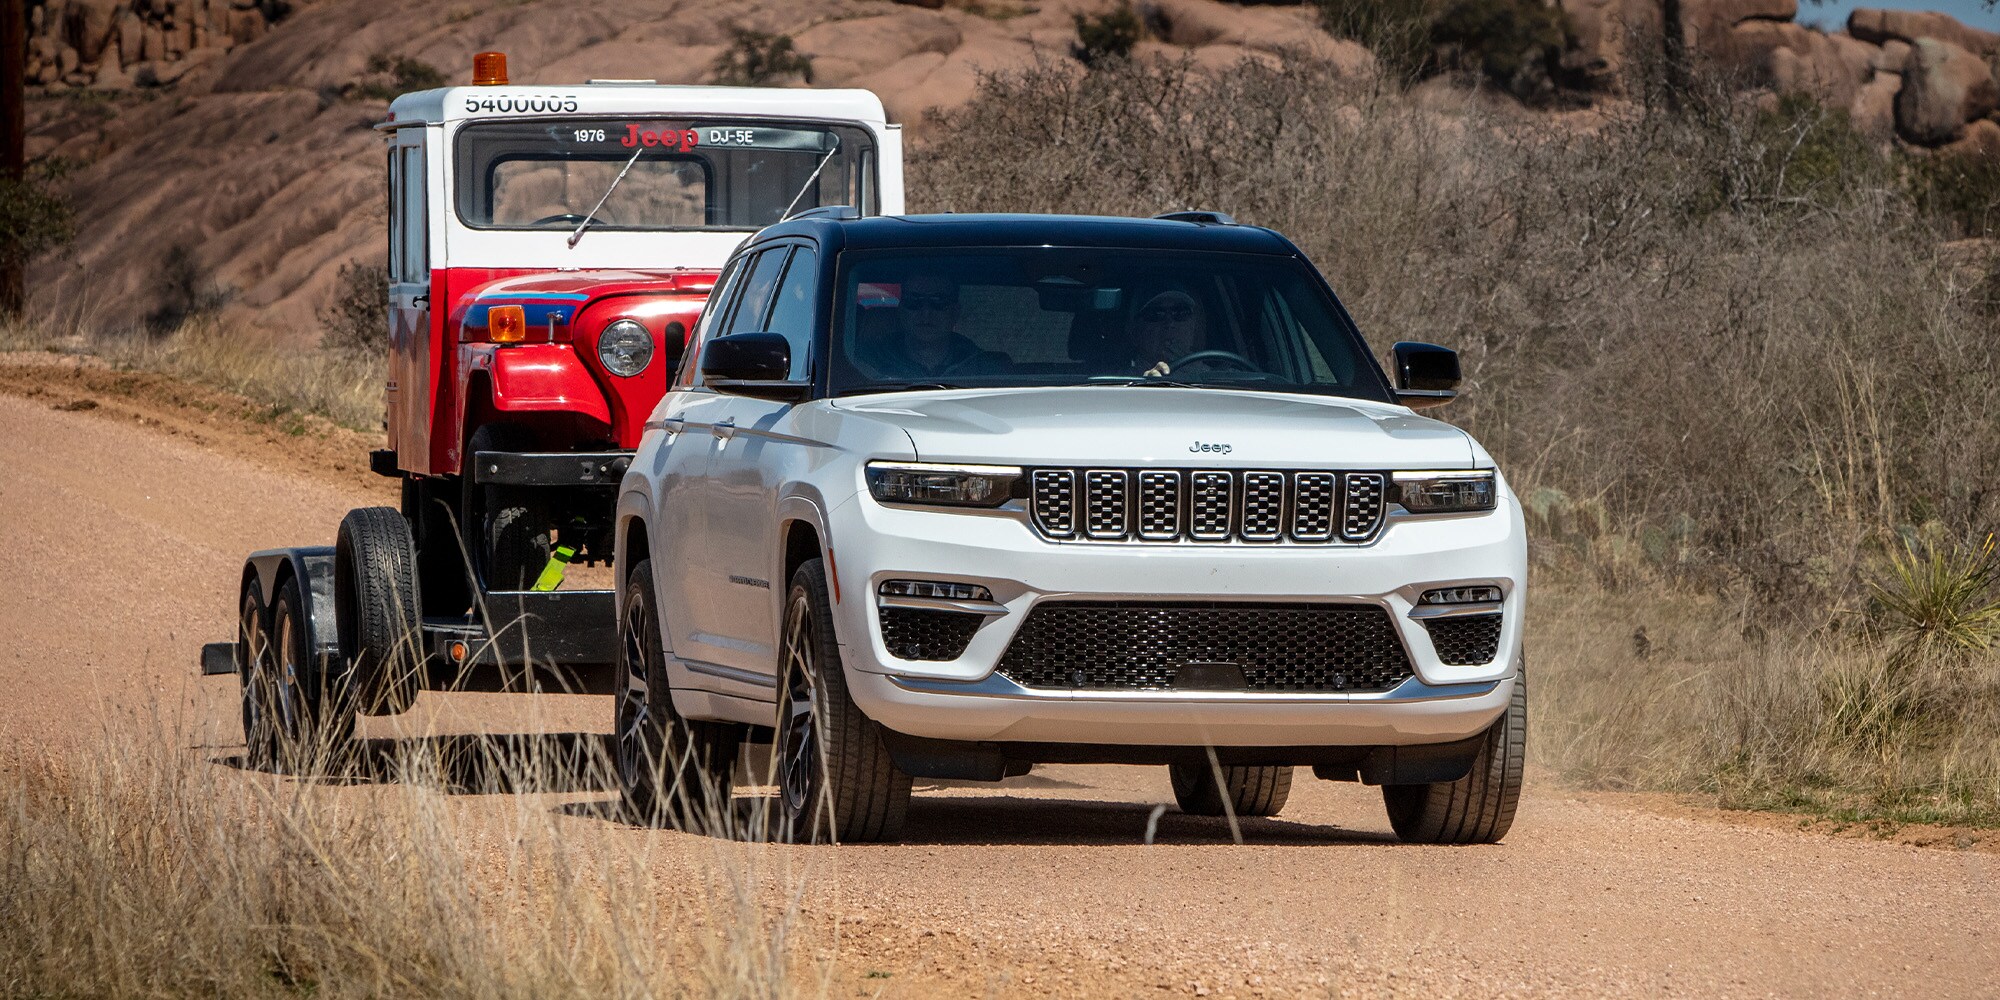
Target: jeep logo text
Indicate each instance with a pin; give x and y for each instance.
(1210, 448)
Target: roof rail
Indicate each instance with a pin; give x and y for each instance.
(841, 212)
(1210, 218)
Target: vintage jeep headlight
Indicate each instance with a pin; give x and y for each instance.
(950, 485)
(625, 347)
(1445, 492)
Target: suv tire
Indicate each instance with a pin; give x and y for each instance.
(670, 769)
(1251, 791)
(835, 777)
(1475, 809)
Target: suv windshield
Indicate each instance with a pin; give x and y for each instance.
(1050, 316)
(688, 174)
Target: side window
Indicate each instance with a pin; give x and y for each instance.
(792, 313)
(395, 214)
(416, 261)
(704, 328)
(757, 289)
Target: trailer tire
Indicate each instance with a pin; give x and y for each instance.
(379, 610)
(263, 710)
(317, 735)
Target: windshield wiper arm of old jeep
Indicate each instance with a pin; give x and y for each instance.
(809, 182)
(585, 224)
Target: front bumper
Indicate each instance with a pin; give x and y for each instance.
(965, 699)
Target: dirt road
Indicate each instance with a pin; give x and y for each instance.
(123, 528)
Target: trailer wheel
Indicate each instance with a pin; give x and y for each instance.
(315, 729)
(379, 611)
(264, 709)
(670, 768)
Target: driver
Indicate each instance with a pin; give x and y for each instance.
(926, 345)
(1167, 327)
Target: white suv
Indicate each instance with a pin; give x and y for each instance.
(950, 496)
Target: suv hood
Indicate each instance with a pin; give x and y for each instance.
(1126, 425)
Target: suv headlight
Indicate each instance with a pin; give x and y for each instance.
(1445, 492)
(948, 485)
(625, 347)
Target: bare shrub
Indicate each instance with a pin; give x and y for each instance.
(759, 59)
(1104, 37)
(183, 292)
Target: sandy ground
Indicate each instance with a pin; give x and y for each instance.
(123, 529)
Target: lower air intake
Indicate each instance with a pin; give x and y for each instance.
(923, 634)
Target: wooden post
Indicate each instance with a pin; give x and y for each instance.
(13, 134)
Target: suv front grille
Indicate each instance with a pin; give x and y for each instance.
(1205, 505)
(1089, 645)
(1465, 642)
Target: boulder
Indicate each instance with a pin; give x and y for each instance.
(1883, 26)
(1981, 139)
(1890, 56)
(1790, 58)
(131, 38)
(93, 24)
(1944, 86)
(1705, 25)
(1873, 111)
(245, 26)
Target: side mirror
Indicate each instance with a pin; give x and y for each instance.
(1426, 374)
(751, 364)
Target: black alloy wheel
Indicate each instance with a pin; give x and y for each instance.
(670, 769)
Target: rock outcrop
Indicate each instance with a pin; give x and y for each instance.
(117, 44)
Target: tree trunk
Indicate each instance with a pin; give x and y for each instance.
(13, 136)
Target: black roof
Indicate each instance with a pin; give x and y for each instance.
(897, 231)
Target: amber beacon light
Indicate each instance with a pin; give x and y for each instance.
(489, 69)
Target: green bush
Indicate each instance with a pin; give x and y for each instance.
(34, 216)
(1960, 190)
(1517, 44)
(182, 292)
(392, 76)
(1397, 31)
(759, 59)
(357, 320)
(1101, 38)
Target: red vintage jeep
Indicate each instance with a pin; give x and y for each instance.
(549, 250)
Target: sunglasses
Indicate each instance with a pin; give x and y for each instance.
(939, 301)
(1167, 314)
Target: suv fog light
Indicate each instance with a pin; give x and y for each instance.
(1461, 595)
(930, 588)
(625, 347)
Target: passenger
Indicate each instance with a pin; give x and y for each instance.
(1169, 326)
(929, 347)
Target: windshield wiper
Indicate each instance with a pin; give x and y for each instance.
(905, 386)
(1124, 380)
(810, 181)
(585, 224)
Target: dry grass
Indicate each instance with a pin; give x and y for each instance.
(147, 871)
(344, 387)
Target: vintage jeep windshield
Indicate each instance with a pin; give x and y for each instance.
(1056, 316)
(547, 174)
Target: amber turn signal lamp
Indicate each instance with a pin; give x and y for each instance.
(489, 69)
(507, 324)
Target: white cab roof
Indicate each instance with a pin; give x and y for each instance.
(453, 104)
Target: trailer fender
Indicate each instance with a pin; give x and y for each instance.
(535, 378)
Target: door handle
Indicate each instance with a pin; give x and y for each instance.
(724, 428)
(672, 425)
(421, 300)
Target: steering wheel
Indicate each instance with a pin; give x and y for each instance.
(1230, 356)
(567, 218)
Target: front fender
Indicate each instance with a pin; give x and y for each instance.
(539, 378)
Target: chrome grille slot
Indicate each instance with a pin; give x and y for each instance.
(1208, 506)
(1160, 505)
(1361, 507)
(1312, 506)
(1263, 506)
(1055, 502)
(1104, 503)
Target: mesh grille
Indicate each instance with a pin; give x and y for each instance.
(1312, 506)
(1104, 503)
(1363, 509)
(1055, 502)
(1207, 505)
(1465, 642)
(924, 634)
(1279, 647)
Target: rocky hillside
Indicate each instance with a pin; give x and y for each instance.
(222, 149)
